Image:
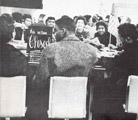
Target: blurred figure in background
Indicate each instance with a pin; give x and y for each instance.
(50, 22)
(80, 25)
(17, 17)
(41, 19)
(23, 31)
(88, 20)
(74, 18)
(90, 28)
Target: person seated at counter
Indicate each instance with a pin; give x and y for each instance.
(115, 84)
(80, 25)
(128, 59)
(103, 35)
(50, 22)
(66, 63)
(67, 57)
(22, 31)
(12, 61)
(126, 65)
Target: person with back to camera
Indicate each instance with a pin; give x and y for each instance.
(126, 64)
(67, 57)
(12, 61)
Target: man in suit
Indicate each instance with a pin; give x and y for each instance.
(67, 57)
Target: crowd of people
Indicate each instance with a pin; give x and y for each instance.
(72, 53)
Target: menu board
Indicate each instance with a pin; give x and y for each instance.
(40, 37)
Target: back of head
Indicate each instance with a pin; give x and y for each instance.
(128, 30)
(6, 28)
(41, 16)
(66, 22)
(87, 17)
(17, 16)
(25, 16)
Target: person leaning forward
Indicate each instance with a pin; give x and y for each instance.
(67, 57)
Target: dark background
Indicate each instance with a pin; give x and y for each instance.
(35, 4)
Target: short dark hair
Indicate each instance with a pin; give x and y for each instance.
(50, 18)
(26, 16)
(101, 23)
(17, 16)
(81, 18)
(66, 22)
(42, 16)
(7, 17)
(6, 23)
(128, 30)
(94, 19)
(87, 17)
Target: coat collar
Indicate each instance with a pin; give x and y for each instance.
(71, 37)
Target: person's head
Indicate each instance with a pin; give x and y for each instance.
(27, 19)
(17, 17)
(64, 27)
(107, 19)
(50, 22)
(88, 20)
(128, 33)
(6, 28)
(80, 23)
(41, 17)
(101, 27)
(74, 18)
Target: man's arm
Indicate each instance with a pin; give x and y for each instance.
(42, 72)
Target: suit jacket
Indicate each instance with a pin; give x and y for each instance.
(19, 31)
(69, 57)
(12, 61)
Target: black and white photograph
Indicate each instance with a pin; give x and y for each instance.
(68, 60)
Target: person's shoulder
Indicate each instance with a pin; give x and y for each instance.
(108, 33)
(51, 48)
(88, 47)
(96, 34)
(91, 46)
(8, 48)
(11, 51)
